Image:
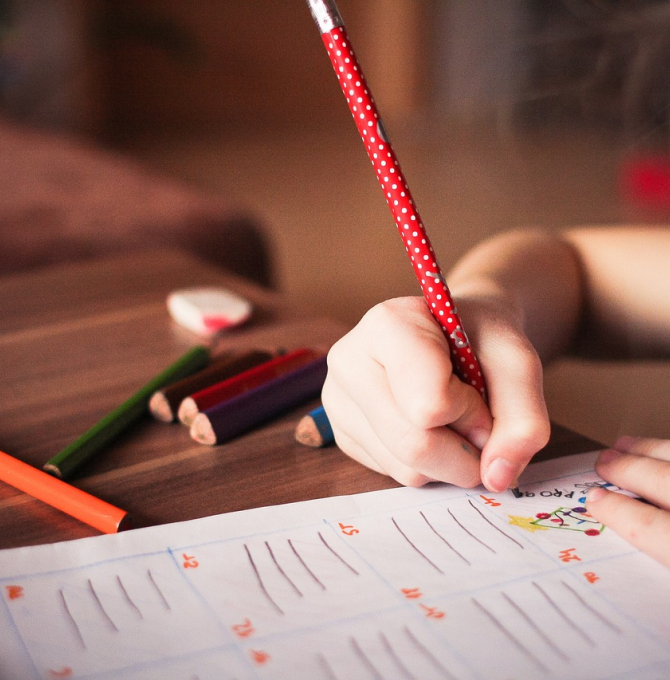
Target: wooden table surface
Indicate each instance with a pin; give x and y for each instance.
(77, 340)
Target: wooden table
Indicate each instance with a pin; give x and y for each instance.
(77, 340)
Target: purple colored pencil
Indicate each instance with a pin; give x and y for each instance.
(245, 411)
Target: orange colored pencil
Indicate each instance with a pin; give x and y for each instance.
(63, 496)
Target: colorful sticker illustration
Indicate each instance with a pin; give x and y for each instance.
(572, 519)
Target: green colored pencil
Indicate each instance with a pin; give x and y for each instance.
(122, 417)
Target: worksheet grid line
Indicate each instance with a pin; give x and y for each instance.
(400, 605)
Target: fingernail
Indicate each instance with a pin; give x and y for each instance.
(595, 494)
(478, 436)
(607, 456)
(500, 474)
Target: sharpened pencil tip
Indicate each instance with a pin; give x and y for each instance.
(160, 408)
(202, 430)
(307, 433)
(187, 411)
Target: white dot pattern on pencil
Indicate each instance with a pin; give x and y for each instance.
(399, 199)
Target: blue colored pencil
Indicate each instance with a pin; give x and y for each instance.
(314, 429)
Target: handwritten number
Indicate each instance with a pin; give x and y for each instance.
(432, 612)
(190, 562)
(348, 529)
(244, 629)
(14, 592)
(260, 657)
(490, 501)
(568, 556)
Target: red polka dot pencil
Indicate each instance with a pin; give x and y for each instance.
(393, 183)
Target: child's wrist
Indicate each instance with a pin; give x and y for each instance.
(488, 295)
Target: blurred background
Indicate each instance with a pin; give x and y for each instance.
(503, 113)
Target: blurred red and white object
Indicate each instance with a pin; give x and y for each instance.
(644, 181)
(207, 311)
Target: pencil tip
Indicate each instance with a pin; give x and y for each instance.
(187, 411)
(307, 433)
(516, 492)
(160, 408)
(202, 430)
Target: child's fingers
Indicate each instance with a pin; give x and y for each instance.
(410, 454)
(402, 337)
(521, 424)
(644, 446)
(353, 449)
(356, 438)
(643, 525)
(396, 367)
(392, 467)
(641, 475)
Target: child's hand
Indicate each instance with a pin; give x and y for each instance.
(641, 466)
(391, 391)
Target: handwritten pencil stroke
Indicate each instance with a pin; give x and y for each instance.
(594, 611)
(304, 564)
(128, 599)
(468, 532)
(100, 606)
(395, 658)
(280, 569)
(505, 534)
(418, 552)
(261, 585)
(339, 557)
(71, 620)
(365, 659)
(570, 621)
(509, 635)
(419, 646)
(325, 667)
(162, 597)
(547, 640)
(442, 538)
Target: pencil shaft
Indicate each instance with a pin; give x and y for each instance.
(61, 495)
(395, 188)
(222, 368)
(323, 426)
(252, 378)
(113, 424)
(241, 413)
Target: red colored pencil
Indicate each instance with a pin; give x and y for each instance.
(242, 382)
(268, 400)
(165, 402)
(396, 190)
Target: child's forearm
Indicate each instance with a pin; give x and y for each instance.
(626, 289)
(537, 275)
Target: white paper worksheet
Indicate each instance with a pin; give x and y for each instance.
(426, 583)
